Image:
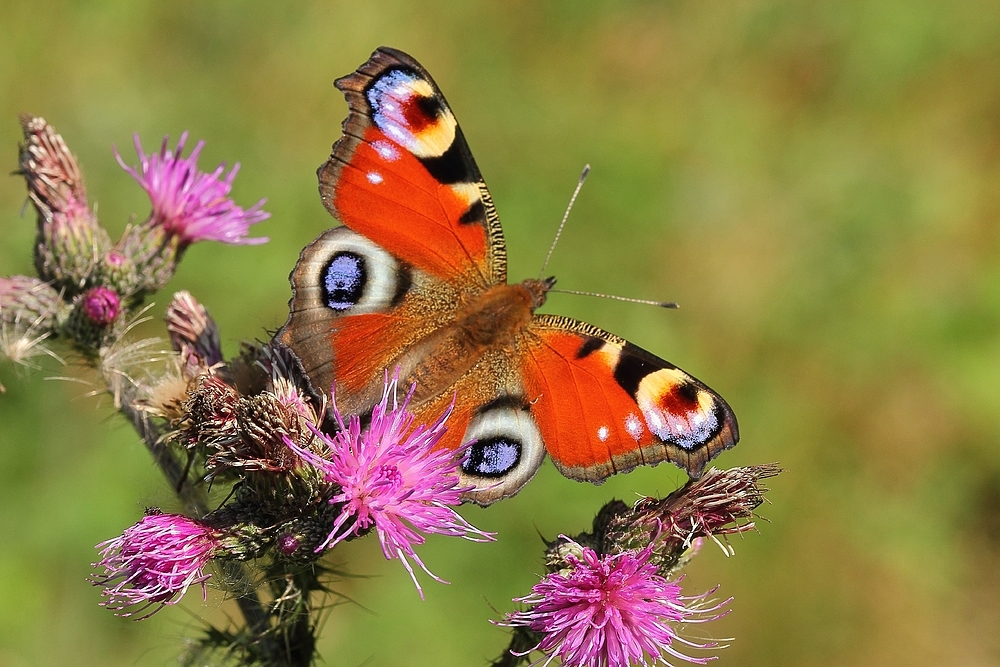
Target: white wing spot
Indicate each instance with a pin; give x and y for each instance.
(654, 420)
(374, 177)
(386, 150)
(633, 425)
(602, 433)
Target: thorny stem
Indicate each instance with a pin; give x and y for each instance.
(191, 496)
(195, 502)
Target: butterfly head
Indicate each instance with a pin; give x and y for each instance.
(538, 289)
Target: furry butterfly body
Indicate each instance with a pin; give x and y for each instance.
(416, 279)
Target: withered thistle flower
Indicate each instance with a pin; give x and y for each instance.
(70, 241)
(612, 611)
(195, 337)
(193, 333)
(210, 414)
(720, 503)
(154, 562)
(391, 477)
(245, 433)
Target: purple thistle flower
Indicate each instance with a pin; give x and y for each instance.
(612, 611)
(392, 477)
(154, 562)
(191, 204)
(101, 305)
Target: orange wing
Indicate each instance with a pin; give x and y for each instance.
(403, 176)
(605, 406)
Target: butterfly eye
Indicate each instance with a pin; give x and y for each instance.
(506, 450)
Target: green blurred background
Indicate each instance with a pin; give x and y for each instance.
(818, 185)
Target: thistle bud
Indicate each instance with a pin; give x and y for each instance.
(117, 270)
(91, 323)
(101, 305)
(29, 302)
(30, 312)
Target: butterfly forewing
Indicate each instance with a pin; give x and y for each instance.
(403, 176)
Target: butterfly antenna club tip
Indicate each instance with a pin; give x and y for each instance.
(572, 200)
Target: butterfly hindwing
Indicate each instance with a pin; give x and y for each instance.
(492, 419)
(357, 310)
(605, 406)
(403, 176)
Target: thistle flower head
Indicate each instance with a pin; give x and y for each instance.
(391, 477)
(720, 503)
(190, 204)
(154, 563)
(612, 611)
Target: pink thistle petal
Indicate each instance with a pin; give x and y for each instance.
(391, 477)
(612, 611)
(192, 204)
(153, 563)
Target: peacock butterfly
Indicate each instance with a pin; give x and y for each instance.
(416, 279)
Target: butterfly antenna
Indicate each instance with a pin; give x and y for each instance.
(572, 200)
(648, 302)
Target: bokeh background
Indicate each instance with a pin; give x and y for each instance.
(818, 185)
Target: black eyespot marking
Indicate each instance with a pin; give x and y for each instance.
(430, 106)
(344, 280)
(476, 213)
(630, 371)
(450, 166)
(688, 391)
(492, 457)
(634, 364)
(589, 346)
(506, 401)
(404, 281)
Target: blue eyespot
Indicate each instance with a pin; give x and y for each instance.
(492, 457)
(344, 280)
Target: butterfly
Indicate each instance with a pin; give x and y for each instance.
(416, 280)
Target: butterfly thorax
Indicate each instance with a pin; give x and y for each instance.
(492, 320)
